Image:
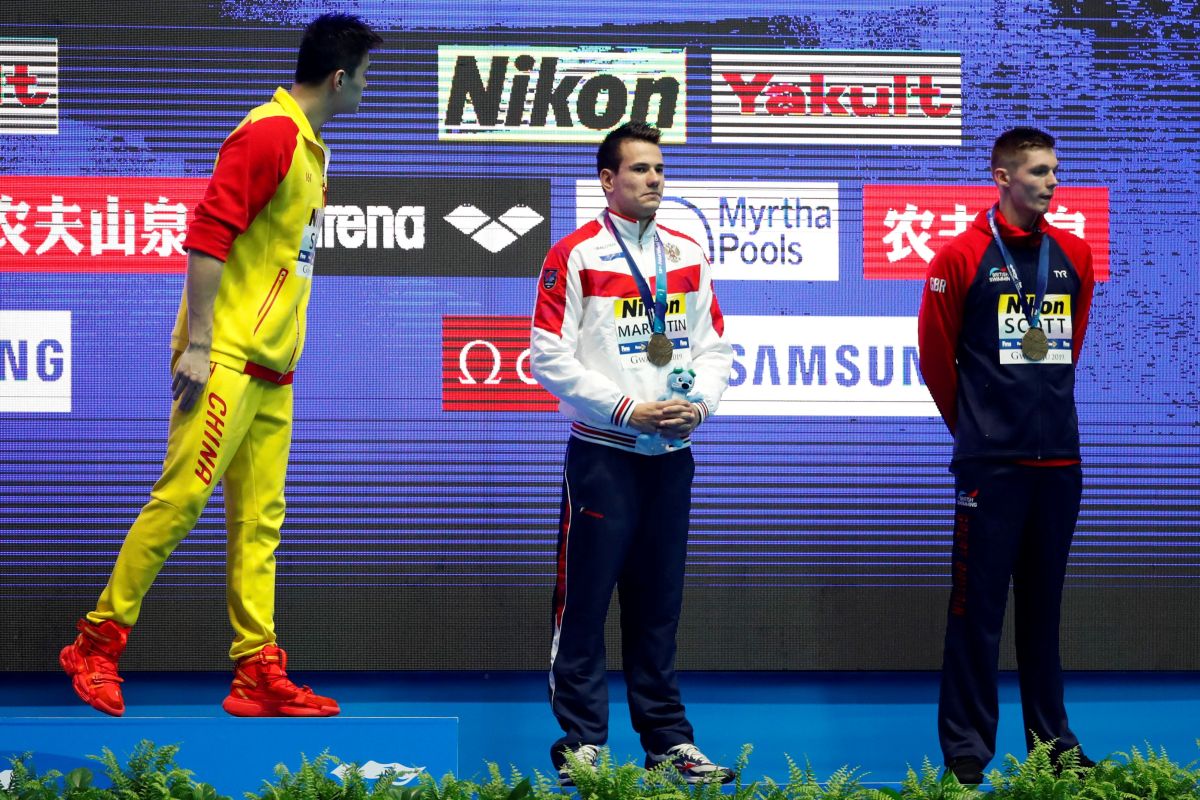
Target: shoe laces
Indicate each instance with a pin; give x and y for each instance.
(587, 754)
(690, 752)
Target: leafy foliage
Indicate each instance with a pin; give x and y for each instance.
(151, 774)
(930, 784)
(1042, 776)
(605, 780)
(1142, 777)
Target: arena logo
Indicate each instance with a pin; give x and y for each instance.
(568, 94)
(475, 227)
(494, 235)
(837, 98)
(485, 366)
(35, 361)
(825, 366)
(759, 230)
(28, 86)
(353, 227)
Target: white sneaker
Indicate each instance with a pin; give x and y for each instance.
(693, 765)
(585, 756)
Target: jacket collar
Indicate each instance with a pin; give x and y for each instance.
(1011, 234)
(628, 228)
(292, 109)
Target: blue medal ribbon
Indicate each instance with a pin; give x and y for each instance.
(1032, 315)
(656, 310)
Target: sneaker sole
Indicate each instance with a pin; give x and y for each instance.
(74, 666)
(238, 707)
(693, 780)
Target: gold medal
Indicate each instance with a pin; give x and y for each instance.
(1034, 344)
(659, 350)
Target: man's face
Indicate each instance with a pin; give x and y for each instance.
(1031, 181)
(350, 87)
(635, 189)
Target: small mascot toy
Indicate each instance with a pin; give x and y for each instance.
(679, 384)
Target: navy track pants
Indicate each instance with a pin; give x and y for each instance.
(1011, 522)
(623, 525)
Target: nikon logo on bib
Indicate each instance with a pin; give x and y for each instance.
(553, 94)
(633, 330)
(1055, 322)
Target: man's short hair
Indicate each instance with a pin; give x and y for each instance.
(1009, 145)
(332, 42)
(609, 155)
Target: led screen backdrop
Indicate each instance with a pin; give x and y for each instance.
(821, 151)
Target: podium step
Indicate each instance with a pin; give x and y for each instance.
(233, 754)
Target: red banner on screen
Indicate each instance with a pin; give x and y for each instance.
(904, 225)
(485, 366)
(58, 223)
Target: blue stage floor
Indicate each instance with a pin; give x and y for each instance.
(877, 721)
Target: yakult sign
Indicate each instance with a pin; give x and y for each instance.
(836, 98)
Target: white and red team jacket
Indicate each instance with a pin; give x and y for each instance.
(588, 343)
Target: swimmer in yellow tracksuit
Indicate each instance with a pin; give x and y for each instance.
(238, 336)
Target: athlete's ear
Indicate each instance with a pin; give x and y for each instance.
(1001, 177)
(606, 179)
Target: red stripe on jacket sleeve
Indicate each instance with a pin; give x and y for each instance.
(718, 319)
(939, 323)
(252, 163)
(551, 302)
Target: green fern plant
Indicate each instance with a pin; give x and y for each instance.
(311, 782)
(846, 784)
(428, 788)
(930, 784)
(802, 784)
(1038, 777)
(606, 780)
(77, 785)
(1152, 776)
(517, 786)
(26, 784)
(149, 774)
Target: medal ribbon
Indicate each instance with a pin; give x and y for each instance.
(656, 310)
(1032, 316)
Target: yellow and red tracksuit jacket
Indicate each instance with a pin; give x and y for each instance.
(261, 215)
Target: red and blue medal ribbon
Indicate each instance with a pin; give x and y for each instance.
(656, 309)
(1032, 315)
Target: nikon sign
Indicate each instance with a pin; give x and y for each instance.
(559, 95)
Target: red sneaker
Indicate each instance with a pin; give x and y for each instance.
(91, 661)
(261, 688)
